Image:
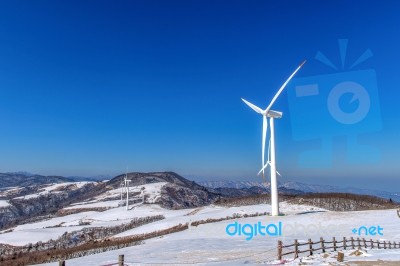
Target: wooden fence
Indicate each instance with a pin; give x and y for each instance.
(323, 245)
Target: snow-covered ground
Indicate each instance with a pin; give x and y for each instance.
(4, 203)
(210, 244)
(372, 257)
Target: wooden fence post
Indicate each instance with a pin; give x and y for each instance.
(378, 244)
(372, 243)
(322, 244)
(344, 243)
(296, 249)
(334, 244)
(358, 241)
(310, 246)
(365, 243)
(279, 250)
(61, 263)
(121, 260)
(352, 242)
(390, 245)
(340, 256)
(384, 244)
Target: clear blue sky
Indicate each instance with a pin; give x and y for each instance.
(89, 88)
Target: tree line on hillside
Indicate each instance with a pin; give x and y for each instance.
(329, 201)
(345, 201)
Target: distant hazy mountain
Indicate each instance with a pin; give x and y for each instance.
(90, 178)
(233, 184)
(297, 186)
(327, 188)
(23, 179)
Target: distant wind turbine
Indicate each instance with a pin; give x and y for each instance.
(126, 181)
(268, 113)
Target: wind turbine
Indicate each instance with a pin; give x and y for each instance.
(268, 113)
(126, 181)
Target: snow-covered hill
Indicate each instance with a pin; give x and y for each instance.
(47, 197)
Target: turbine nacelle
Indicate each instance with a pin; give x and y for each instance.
(267, 112)
(274, 114)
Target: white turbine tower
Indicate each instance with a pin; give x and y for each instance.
(126, 181)
(268, 113)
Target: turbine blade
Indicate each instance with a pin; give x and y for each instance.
(278, 173)
(252, 106)
(283, 86)
(265, 167)
(264, 136)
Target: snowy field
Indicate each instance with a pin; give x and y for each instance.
(209, 244)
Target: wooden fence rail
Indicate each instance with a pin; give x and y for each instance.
(334, 245)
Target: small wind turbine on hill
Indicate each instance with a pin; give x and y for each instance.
(268, 113)
(126, 181)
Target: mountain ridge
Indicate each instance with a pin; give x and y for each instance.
(298, 186)
(22, 179)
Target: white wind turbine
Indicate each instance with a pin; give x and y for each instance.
(126, 181)
(268, 113)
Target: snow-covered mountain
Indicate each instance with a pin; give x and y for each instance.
(23, 197)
